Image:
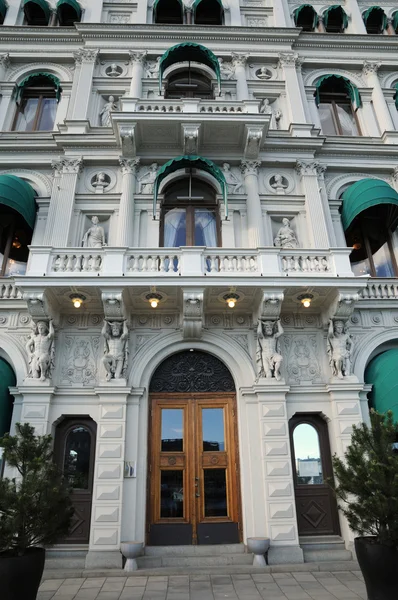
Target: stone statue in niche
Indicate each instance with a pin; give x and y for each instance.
(152, 68)
(147, 180)
(276, 114)
(278, 183)
(263, 73)
(95, 236)
(105, 114)
(268, 356)
(115, 357)
(100, 181)
(286, 238)
(339, 346)
(114, 70)
(40, 349)
(226, 69)
(234, 183)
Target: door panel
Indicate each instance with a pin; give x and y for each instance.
(193, 491)
(315, 502)
(74, 452)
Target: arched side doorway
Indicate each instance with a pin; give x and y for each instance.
(316, 505)
(194, 493)
(74, 452)
(7, 379)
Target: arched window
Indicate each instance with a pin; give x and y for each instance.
(168, 12)
(208, 12)
(337, 100)
(369, 217)
(190, 215)
(395, 21)
(305, 17)
(3, 10)
(335, 19)
(17, 218)
(37, 98)
(68, 12)
(189, 83)
(375, 20)
(37, 12)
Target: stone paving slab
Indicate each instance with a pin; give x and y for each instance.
(318, 585)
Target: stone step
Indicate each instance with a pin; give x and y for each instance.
(202, 550)
(326, 555)
(324, 548)
(65, 562)
(197, 561)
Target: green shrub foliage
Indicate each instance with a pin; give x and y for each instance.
(367, 479)
(35, 508)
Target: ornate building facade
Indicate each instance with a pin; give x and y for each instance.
(198, 294)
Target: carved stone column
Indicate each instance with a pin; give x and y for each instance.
(126, 208)
(57, 167)
(137, 60)
(315, 209)
(255, 229)
(61, 208)
(86, 58)
(239, 63)
(370, 69)
(289, 62)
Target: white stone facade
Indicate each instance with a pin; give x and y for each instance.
(62, 166)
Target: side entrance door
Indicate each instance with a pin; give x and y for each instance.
(312, 467)
(74, 451)
(194, 493)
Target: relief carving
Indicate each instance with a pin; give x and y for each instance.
(268, 355)
(80, 360)
(302, 363)
(339, 346)
(116, 350)
(40, 349)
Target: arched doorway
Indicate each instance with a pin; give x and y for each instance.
(7, 379)
(194, 494)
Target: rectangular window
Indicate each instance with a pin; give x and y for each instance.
(172, 430)
(172, 494)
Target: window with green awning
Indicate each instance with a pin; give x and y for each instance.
(18, 195)
(306, 8)
(375, 19)
(395, 21)
(382, 373)
(190, 161)
(3, 10)
(30, 80)
(7, 380)
(168, 11)
(335, 18)
(189, 52)
(363, 195)
(37, 12)
(69, 12)
(352, 90)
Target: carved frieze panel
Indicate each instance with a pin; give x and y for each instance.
(79, 360)
(301, 363)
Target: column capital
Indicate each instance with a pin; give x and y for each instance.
(129, 165)
(5, 60)
(71, 165)
(239, 59)
(86, 55)
(370, 66)
(139, 57)
(57, 167)
(313, 168)
(250, 167)
(289, 59)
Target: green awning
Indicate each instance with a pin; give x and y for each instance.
(298, 10)
(3, 8)
(364, 194)
(29, 81)
(42, 4)
(7, 379)
(382, 373)
(73, 4)
(344, 16)
(351, 89)
(155, 5)
(189, 51)
(196, 162)
(367, 13)
(195, 4)
(20, 196)
(395, 21)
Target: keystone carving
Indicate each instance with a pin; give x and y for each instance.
(192, 315)
(191, 138)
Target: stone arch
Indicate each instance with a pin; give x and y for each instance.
(151, 356)
(311, 78)
(206, 177)
(12, 353)
(39, 182)
(370, 346)
(182, 66)
(63, 73)
(340, 183)
(390, 80)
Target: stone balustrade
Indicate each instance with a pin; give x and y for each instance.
(299, 261)
(380, 289)
(157, 262)
(8, 290)
(189, 105)
(77, 261)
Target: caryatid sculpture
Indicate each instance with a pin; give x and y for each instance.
(339, 346)
(40, 349)
(116, 349)
(268, 357)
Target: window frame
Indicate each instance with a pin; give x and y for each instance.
(334, 102)
(369, 254)
(42, 93)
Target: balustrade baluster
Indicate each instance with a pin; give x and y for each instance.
(78, 263)
(162, 268)
(241, 264)
(86, 262)
(70, 262)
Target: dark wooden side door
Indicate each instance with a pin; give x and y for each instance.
(74, 451)
(312, 466)
(194, 493)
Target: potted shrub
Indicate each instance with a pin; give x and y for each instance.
(35, 511)
(367, 486)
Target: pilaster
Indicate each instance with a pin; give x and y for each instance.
(370, 69)
(86, 58)
(290, 64)
(32, 402)
(126, 207)
(239, 63)
(255, 229)
(61, 209)
(309, 172)
(137, 60)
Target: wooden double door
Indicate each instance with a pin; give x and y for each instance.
(194, 495)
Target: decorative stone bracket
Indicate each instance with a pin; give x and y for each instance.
(40, 306)
(342, 306)
(127, 140)
(270, 305)
(191, 138)
(254, 137)
(192, 313)
(114, 305)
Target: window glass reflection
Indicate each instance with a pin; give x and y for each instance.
(171, 494)
(175, 228)
(77, 458)
(205, 228)
(172, 430)
(307, 454)
(213, 429)
(215, 487)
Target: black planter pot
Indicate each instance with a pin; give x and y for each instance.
(20, 576)
(379, 566)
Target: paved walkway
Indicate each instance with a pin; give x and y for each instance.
(340, 585)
